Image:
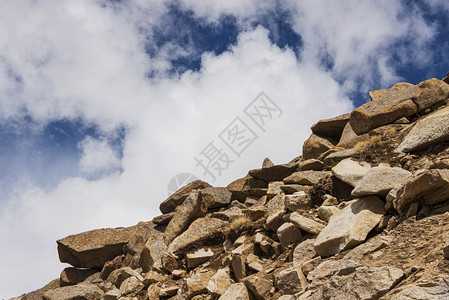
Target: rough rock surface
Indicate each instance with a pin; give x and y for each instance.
(315, 145)
(180, 195)
(350, 171)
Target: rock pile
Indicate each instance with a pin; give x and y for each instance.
(362, 214)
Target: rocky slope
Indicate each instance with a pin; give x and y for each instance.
(362, 214)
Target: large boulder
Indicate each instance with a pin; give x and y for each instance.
(332, 127)
(248, 186)
(273, 173)
(86, 291)
(180, 195)
(350, 171)
(216, 197)
(306, 224)
(306, 177)
(315, 145)
(430, 92)
(350, 227)
(427, 131)
(437, 290)
(150, 257)
(380, 180)
(92, 249)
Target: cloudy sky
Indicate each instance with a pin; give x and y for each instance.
(103, 103)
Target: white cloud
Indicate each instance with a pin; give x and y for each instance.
(97, 157)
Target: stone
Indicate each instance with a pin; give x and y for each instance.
(380, 180)
(298, 201)
(193, 207)
(306, 224)
(150, 257)
(86, 291)
(130, 285)
(291, 281)
(332, 127)
(350, 227)
(335, 157)
(315, 145)
(446, 249)
(179, 273)
(247, 186)
(350, 171)
(236, 291)
(306, 177)
(430, 92)
(219, 283)
(259, 285)
(198, 257)
(311, 165)
(329, 200)
(276, 209)
(324, 270)
(437, 290)
(364, 283)
(112, 265)
(293, 188)
(168, 291)
(429, 187)
(386, 107)
(429, 130)
(303, 252)
(142, 232)
(238, 261)
(178, 197)
(216, 197)
(163, 219)
(71, 276)
(267, 163)
(153, 277)
(349, 138)
(325, 213)
(197, 283)
(274, 173)
(170, 261)
(288, 234)
(274, 188)
(118, 276)
(92, 249)
(111, 295)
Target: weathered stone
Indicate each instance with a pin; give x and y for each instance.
(291, 281)
(236, 291)
(238, 261)
(350, 171)
(219, 283)
(430, 93)
(331, 127)
(112, 265)
(197, 283)
(293, 188)
(315, 145)
(92, 249)
(274, 188)
(386, 107)
(153, 277)
(71, 276)
(170, 261)
(380, 180)
(326, 212)
(111, 295)
(311, 165)
(163, 219)
(276, 209)
(118, 276)
(130, 285)
(150, 257)
(349, 138)
(179, 273)
(324, 270)
(198, 257)
(350, 227)
(297, 201)
(168, 291)
(193, 207)
(303, 252)
(216, 197)
(288, 234)
(247, 186)
(229, 214)
(306, 177)
(87, 291)
(364, 283)
(259, 285)
(274, 173)
(437, 290)
(333, 158)
(427, 131)
(329, 200)
(446, 249)
(306, 224)
(142, 232)
(428, 188)
(267, 163)
(178, 197)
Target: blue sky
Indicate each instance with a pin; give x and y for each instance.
(103, 102)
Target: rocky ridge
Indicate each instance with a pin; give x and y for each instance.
(362, 214)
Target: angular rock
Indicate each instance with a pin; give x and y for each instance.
(153, 277)
(259, 285)
(247, 186)
(86, 291)
(349, 138)
(427, 131)
(163, 219)
(197, 283)
(142, 232)
(111, 294)
(386, 107)
(129, 286)
(198, 257)
(350, 171)
(446, 249)
(236, 291)
(150, 257)
(437, 290)
(276, 209)
(118, 276)
(293, 188)
(219, 283)
(288, 234)
(326, 212)
(92, 249)
(168, 291)
(297, 201)
(306, 224)
(306, 177)
(238, 261)
(216, 197)
(193, 207)
(380, 180)
(331, 127)
(315, 145)
(267, 163)
(350, 227)
(311, 165)
(291, 281)
(274, 173)
(178, 197)
(430, 93)
(274, 188)
(334, 158)
(303, 252)
(428, 188)
(71, 276)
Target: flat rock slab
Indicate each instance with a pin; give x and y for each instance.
(380, 180)
(315, 145)
(331, 127)
(437, 290)
(87, 291)
(306, 224)
(216, 197)
(350, 171)
(236, 291)
(350, 227)
(198, 257)
(247, 186)
(170, 204)
(427, 131)
(274, 173)
(92, 249)
(306, 177)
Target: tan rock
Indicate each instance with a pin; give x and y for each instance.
(311, 165)
(111, 294)
(238, 261)
(180, 195)
(153, 277)
(198, 257)
(118, 276)
(267, 163)
(197, 283)
(430, 93)
(247, 186)
(216, 197)
(288, 234)
(303, 252)
(326, 212)
(274, 173)
(291, 281)
(168, 291)
(298, 201)
(163, 219)
(259, 285)
(71, 276)
(236, 291)
(219, 283)
(87, 291)
(92, 249)
(274, 188)
(315, 145)
(150, 257)
(331, 127)
(350, 227)
(179, 273)
(306, 177)
(276, 209)
(306, 224)
(338, 156)
(142, 232)
(350, 171)
(293, 188)
(129, 286)
(436, 290)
